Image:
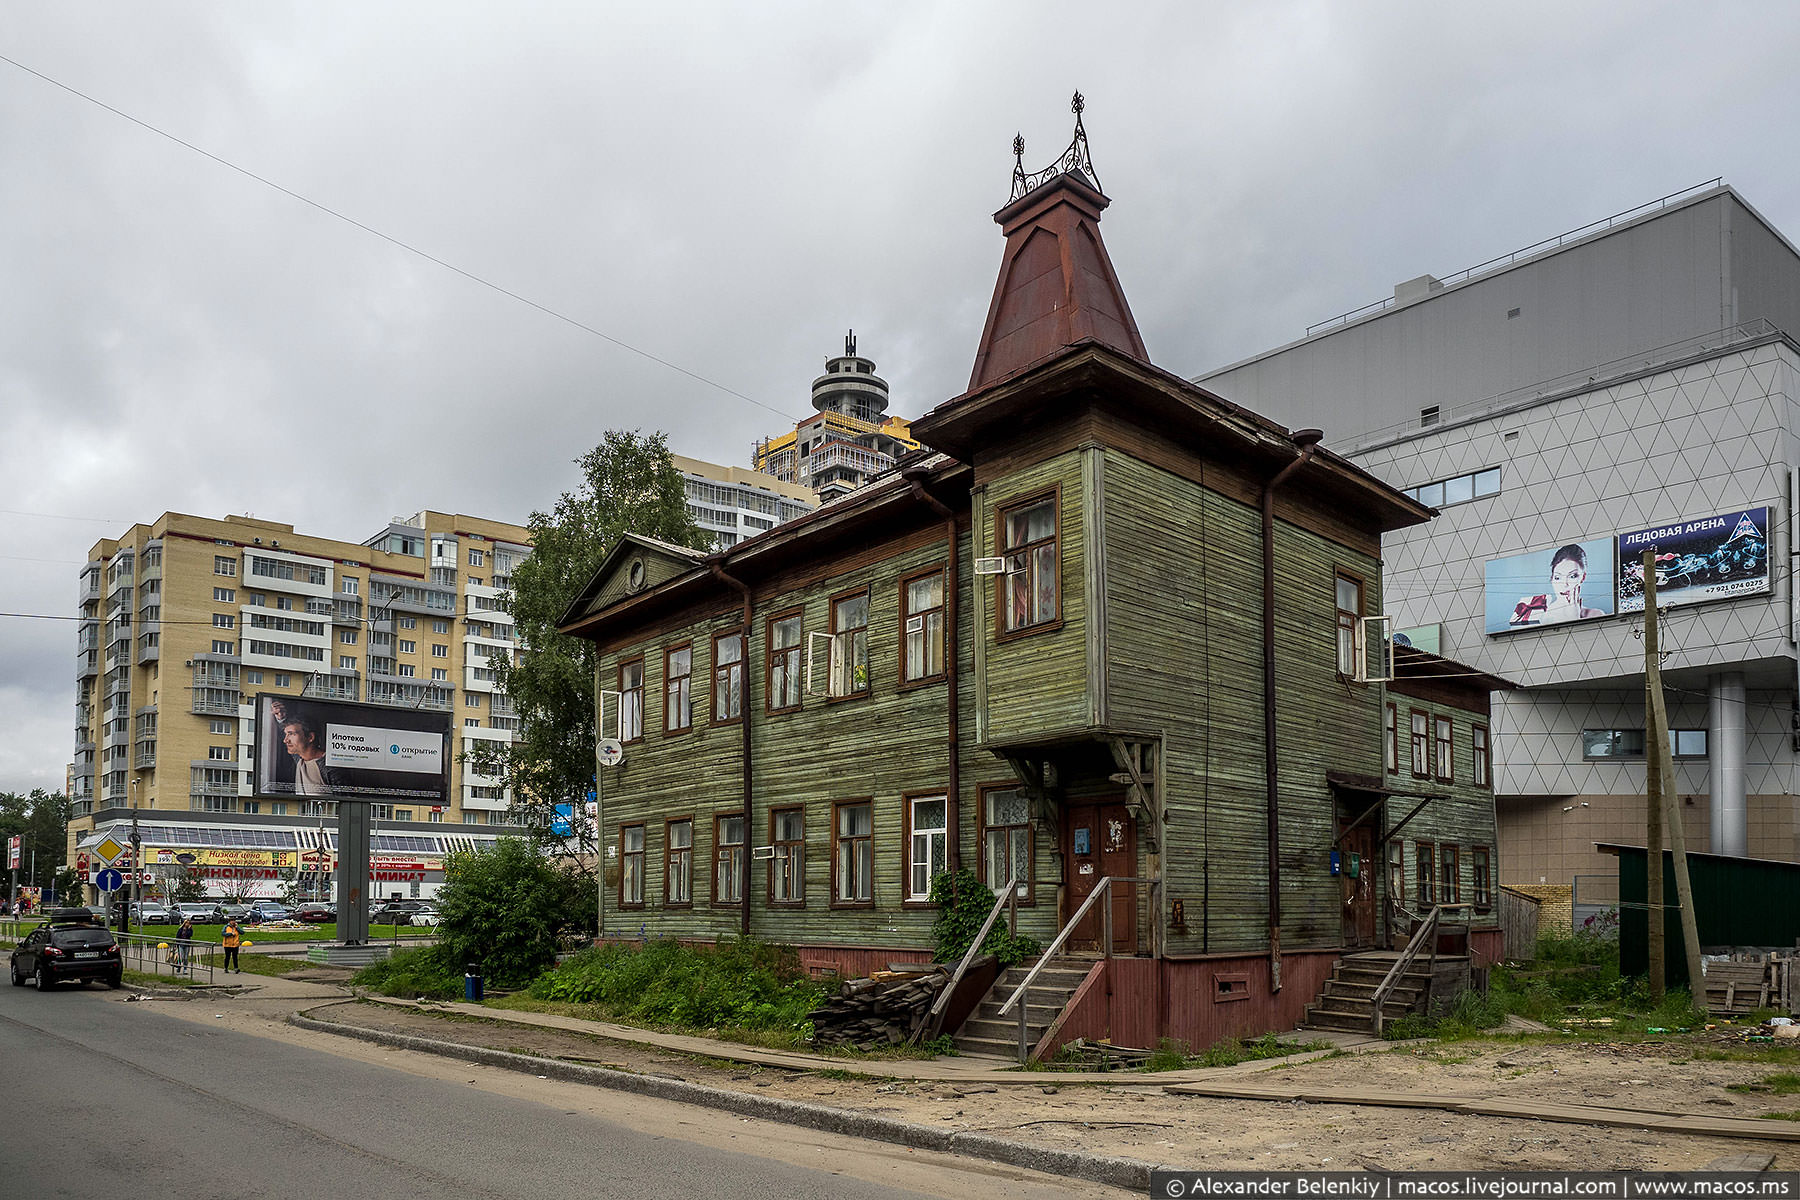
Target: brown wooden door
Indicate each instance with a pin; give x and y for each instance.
(1357, 852)
(1100, 840)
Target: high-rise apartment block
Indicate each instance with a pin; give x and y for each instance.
(185, 620)
(850, 441)
(734, 503)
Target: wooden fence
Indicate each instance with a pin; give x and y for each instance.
(1518, 915)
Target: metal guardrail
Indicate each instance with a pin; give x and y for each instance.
(148, 953)
(1008, 899)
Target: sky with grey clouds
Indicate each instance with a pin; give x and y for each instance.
(726, 187)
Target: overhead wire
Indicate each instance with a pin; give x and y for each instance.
(395, 241)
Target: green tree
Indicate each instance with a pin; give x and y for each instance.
(507, 908)
(40, 820)
(629, 484)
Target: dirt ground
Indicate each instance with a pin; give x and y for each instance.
(1147, 1123)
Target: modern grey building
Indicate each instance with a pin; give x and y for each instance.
(1634, 383)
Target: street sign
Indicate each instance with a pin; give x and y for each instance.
(108, 849)
(12, 853)
(109, 880)
(611, 752)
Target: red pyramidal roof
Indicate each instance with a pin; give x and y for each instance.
(1057, 285)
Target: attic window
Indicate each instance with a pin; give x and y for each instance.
(634, 575)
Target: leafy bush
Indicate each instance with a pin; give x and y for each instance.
(505, 908)
(430, 972)
(739, 983)
(963, 903)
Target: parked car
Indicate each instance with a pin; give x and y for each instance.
(395, 912)
(200, 914)
(426, 916)
(74, 944)
(222, 913)
(148, 912)
(316, 911)
(266, 910)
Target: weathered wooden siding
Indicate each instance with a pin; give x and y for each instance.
(659, 567)
(1462, 815)
(1184, 639)
(882, 747)
(1036, 683)
(1140, 1001)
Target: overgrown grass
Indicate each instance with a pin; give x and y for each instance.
(1781, 1083)
(259, 964)
(428, 971)
(738, 987)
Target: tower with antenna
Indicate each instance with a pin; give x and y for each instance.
(849, 441)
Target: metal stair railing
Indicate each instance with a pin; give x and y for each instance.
(1103, 888)
(1008, 898)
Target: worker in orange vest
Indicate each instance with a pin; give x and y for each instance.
(230, 940)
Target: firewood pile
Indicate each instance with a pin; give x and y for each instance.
(886, 1009)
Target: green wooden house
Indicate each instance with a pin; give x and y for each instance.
(1109, 626)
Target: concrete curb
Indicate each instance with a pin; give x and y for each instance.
(1126, 1173)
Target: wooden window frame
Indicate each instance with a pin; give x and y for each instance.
(1391, 738)
(1420, 742)
(668, 861)
(642, 855)
(1053, 495)
(741, 668)
(1449, 874)
(1481, 748)
(837, 840)
(639, 691)
(831, 627)
(1481, 877)
(907, 897)
(942, 613)
(1354, 627)
(1029, 895)
(795, 655)
(1425, 872)
(668, 688)
(1396, 870)
(719, 844)
(775, 861)
(1443, 748)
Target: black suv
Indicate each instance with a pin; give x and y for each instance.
(72, 944)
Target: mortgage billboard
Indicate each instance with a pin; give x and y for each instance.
(1559, 584)
(1697, 559)
(336, 750)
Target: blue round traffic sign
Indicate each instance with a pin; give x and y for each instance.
(109, 880)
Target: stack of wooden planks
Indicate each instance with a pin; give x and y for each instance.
(1748, 984)
(885, 1009)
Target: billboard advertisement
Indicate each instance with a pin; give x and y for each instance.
(337, 750)
(1700, 559)
(1553, 586)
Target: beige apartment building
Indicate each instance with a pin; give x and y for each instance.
(186, 620)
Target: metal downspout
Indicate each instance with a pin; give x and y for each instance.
(952, 580)
(743, 590)
(1308, 441)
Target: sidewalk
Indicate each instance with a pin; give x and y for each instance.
(959, 1069)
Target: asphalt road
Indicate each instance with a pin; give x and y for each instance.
(108, 1098)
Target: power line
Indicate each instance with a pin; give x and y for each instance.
(13, 512)
(394, 241)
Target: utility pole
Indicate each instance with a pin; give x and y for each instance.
(1658, 716)
(1653, 787)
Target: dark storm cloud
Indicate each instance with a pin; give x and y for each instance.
(726, 187)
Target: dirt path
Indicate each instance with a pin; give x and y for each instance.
(1146, 1123)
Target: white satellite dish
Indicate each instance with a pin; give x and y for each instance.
(611, 752)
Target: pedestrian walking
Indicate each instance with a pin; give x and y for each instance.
(230, 939)
(184, 944)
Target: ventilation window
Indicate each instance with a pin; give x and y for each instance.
(1430, 416)
(1511, 313)
(1230, 987)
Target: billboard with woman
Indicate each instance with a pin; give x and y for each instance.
(1553, 586)
(335, 750)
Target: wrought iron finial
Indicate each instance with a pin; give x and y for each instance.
(850, 344)
(1074, 160)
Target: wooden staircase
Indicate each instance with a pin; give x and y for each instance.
(1347, 1003)
(988, 1033)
